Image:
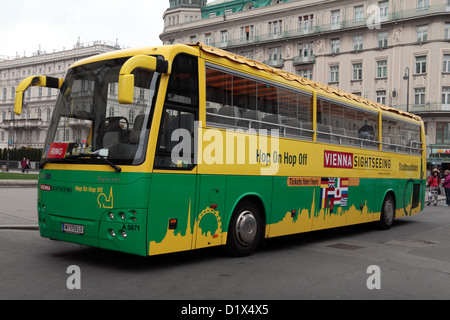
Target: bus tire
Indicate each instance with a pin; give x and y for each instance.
(244, 232)
(387, 213)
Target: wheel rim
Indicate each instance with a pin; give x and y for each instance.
(388, 211)
(246, 228)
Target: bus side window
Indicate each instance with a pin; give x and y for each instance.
(175, 145)
(175, 148)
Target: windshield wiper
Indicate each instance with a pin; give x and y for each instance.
(95, 156)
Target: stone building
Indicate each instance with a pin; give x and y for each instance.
(30, 129)
(396, 52)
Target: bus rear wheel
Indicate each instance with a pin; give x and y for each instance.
(244, 232)
(387, 213)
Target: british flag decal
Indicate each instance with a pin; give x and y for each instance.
(334, 191)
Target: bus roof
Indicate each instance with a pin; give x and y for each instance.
(293, 77)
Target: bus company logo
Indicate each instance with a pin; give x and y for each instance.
(341, 160)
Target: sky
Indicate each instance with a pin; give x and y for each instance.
(56, 24)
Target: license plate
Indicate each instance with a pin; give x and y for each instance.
(73, 228)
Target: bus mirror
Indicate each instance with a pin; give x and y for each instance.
(126, 79)
(126, 89)
(36, 81)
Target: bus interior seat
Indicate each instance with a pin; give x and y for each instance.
(340, 135)
(250, 115)
(111, 138)
(181, 121)
(210, 115)
(137, 127)
(229, 111)
(294, 123)
(323, 131)
(271, 118)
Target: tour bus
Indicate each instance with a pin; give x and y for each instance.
(173, 148)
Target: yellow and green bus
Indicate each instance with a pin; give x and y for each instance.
(172, 148)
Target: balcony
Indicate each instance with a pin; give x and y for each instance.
(23, 124)
(275, 63)
(304, 60)
(399, 15)
(430, 109)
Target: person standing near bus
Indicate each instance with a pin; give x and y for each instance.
(446, 185)
(23, 164)
(433, 183)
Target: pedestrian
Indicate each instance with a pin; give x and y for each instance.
(433, 183)
(27, 165)
(446, 185)
(23, 164)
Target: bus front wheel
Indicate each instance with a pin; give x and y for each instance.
(387, 213)
(244, 232)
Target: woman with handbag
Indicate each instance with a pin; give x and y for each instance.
(433, 183)
(446, 185)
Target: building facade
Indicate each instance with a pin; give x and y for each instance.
(30, 129)
(396, 52)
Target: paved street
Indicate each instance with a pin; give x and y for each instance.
(413, 258)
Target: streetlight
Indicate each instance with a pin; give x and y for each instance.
(406, 77)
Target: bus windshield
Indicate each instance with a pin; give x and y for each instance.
(88, 123)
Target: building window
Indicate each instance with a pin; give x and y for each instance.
(111, 111)
(335, 46)
(358, 42)
(383, 39)
(442, 132)
(276, 27)
(382, 69)
(358, 13)
(224, 36)
(306, 23)
(208, 39)
(384, 10)
(247, 32)
(447, 29)
(334, 73)
(306, 49)
(275, 54)
(306, 73)
(446, 64)
(335, 19)
(357, 71)
(446, 96)
(247, 54)
(421, 65)
(422, 5)
(419, 96)
(381, 96)
(422, 33)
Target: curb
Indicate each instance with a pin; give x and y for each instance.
(17, 227)
(18, 183)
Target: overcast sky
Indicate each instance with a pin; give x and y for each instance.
(57, 24)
